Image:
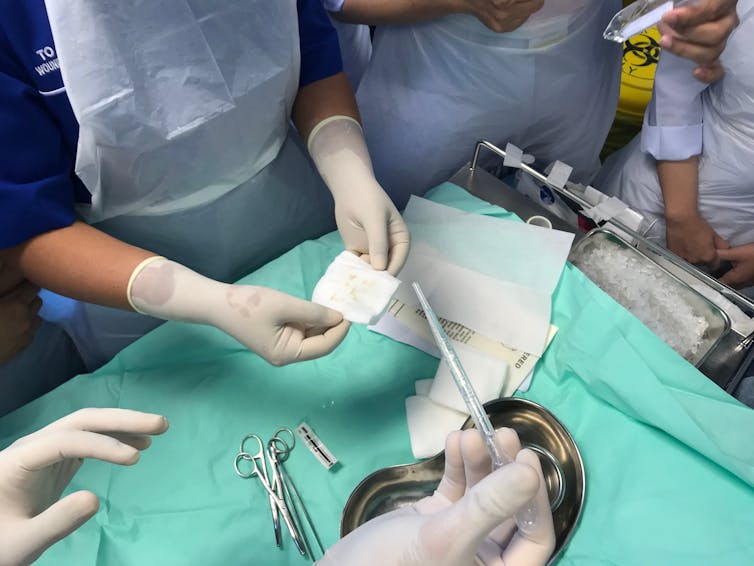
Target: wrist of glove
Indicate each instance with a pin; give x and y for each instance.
(367, 219)
(280, 328)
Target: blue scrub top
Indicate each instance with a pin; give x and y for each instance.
(39, 133)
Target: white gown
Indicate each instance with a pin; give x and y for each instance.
(432, 90)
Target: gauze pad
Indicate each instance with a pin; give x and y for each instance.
(355, 289)
(429, 424)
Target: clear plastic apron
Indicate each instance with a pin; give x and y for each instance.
(432, 90)
(184, 140)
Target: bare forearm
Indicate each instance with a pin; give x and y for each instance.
(679, 181)
(319, 100)
(380, 12)
(79, 262)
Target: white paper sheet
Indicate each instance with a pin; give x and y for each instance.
(511, 251)
(517, 316)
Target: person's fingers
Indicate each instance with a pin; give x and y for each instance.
(317, 346)
(689, 50)
(109, 420)
(710, 73)
(456, 532)
(378, 240)
(138, 441)
(400, 245)
(697, 13)
(707, 34)
(476, 458)
(720, 244)
(24, 292)
(732, 254)
(59, 520)
(293, 310)
(453, 482)
(508, 441)
(41, 451)
(535, 546)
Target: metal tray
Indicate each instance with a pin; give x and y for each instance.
(718, 322)
(397, 486)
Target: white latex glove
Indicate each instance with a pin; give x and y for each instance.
(280, 328)
(468, 518)
(36, 469)
(367, 219)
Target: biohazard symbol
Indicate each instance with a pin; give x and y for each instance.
(640, 56)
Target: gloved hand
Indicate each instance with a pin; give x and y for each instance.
(699, 31)
(367, 219)
(19, 308)
(742, 258)
(35, 470)
(502, 15)
(280, 328)
(470, 515)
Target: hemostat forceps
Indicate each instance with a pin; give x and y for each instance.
(259, 469)
(278, 451)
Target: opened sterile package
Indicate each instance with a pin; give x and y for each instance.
(491, 280)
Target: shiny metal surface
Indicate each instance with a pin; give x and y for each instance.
(724, 363)
(717, 320)
(397, 486)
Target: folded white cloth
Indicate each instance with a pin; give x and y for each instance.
(355, 289)
(423, 386)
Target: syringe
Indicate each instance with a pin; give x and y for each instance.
(526, 519)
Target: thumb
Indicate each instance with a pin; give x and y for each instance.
(379, 242)
(61, 519)
(295, 310)
(489, 503)
(720, 243)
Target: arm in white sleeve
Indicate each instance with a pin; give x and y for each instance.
(367, 219)
(672, 128)
(280, 328)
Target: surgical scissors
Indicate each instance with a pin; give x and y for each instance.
(277, 483)
(259, 470)
(279, 450)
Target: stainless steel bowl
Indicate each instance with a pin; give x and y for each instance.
(394, 487)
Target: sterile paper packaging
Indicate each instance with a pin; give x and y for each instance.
(355, 289)
(492, 275)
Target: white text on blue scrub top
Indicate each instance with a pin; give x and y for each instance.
(49, 61)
